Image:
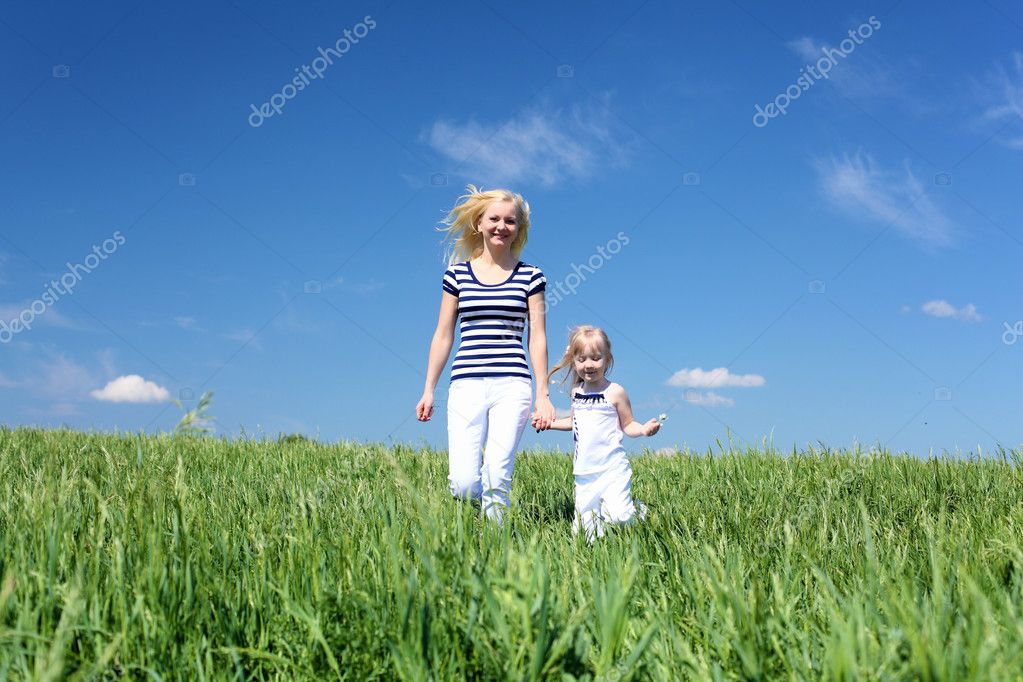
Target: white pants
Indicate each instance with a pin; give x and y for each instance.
(488, 414)
(604, 497)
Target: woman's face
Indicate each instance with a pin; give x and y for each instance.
(590, 364)
(499, 224)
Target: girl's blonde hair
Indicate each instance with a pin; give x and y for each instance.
(461, 222)
(578, 339)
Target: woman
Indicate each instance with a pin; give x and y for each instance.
(494, 294)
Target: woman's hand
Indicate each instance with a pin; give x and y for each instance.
(424, 408)
(543, 414)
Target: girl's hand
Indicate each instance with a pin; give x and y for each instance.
(544, 414)
(651, 427)
(424, 408)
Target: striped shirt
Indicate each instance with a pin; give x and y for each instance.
(493, 317)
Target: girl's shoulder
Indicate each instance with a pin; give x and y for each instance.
(614, 390)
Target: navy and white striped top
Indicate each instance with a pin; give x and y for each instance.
(493, 317)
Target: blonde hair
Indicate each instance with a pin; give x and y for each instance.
(461, 222)
(580, 337)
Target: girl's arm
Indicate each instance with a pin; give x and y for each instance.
(562, 424)
(630, 426)
(440, 349)
(538, 357)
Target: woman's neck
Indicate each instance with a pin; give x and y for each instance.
(502, 258)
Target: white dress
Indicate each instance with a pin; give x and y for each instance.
(603, 475)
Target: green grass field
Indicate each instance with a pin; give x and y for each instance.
(175, 557)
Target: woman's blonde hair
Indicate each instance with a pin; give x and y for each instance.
(580, 337)
(461, 222)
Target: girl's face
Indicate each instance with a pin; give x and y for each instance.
(499, 224)
(590, 364)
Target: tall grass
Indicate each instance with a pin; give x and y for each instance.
(180, 557)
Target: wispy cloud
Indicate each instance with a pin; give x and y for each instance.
(186, 322)
(895, 197)
(720, 377)
(245, 336)
(55, 410)
(50, 316)
(1005, 87)
(58, 377)
(545, 144)
(861, 75)
(708, 399)
(865, 76)
(131, 388)
(370, 286)
(942, 308)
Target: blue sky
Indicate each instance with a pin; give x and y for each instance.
(847, 271)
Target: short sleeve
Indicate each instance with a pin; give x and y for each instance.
(450, 283)
(537, 283)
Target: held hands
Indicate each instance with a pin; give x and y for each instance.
(543, 414)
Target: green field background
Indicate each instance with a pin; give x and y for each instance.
(128, 556)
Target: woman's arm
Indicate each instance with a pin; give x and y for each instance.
(440, 349)
(538, 357)
(617, 395)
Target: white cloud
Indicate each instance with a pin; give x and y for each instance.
(544, 145)
(131, 388)
(892, 197)
(708, 399)
(713, 378)
(1006, 90)
(942, 308)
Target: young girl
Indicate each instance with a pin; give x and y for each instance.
(601, 415)
(494, 293)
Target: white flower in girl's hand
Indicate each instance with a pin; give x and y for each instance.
(662, 418)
